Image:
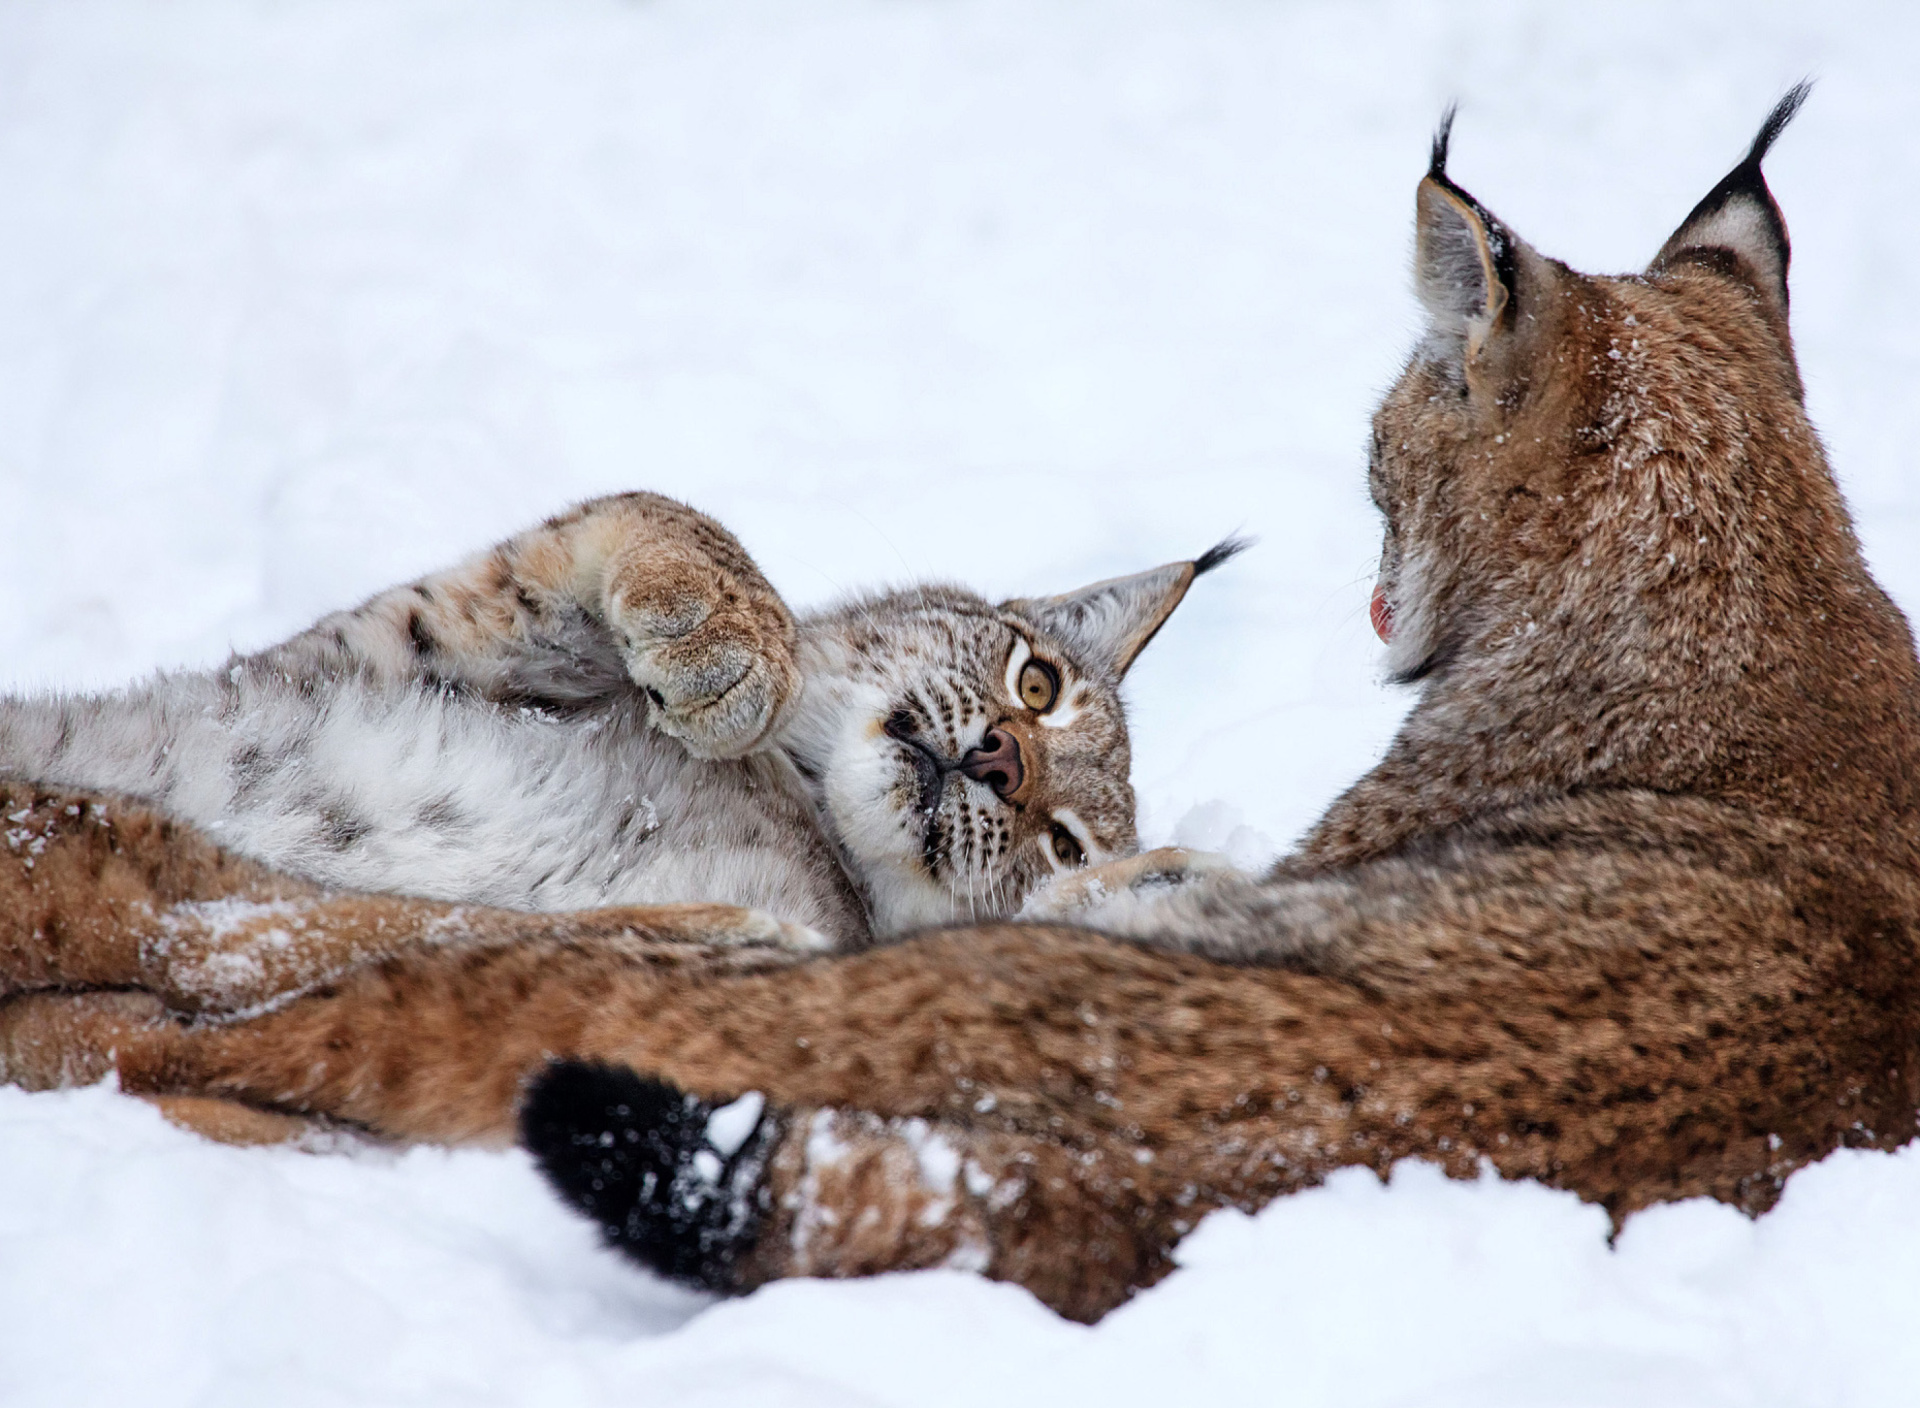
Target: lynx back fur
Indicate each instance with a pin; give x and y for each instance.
(615, 708)
(1630, 906)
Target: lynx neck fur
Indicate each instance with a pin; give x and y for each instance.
(616, 709)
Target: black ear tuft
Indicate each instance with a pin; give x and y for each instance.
(1496, 233)
(1783, 112)
(1465, 260)
(1739, 214)
(675, 1183)
(1442, 138)
(1223, 551)
(1107, 625)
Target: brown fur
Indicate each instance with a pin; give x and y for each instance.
(107, 894)
(1630, 906)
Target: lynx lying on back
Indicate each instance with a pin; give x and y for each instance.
(904, 759)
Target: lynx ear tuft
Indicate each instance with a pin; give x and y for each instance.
(1740, 218)
(1463, 257)
(1108, 624)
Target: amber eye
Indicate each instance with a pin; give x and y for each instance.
(1066, 848)
(1039, 685)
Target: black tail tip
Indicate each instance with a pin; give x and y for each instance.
(1225, 550)
(674, 1182)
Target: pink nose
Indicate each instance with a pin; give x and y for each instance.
(996, 762)
(1381, 613)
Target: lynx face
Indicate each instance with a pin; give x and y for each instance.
(957, 783)
(964, 753)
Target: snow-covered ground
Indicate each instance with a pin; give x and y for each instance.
(300, 298)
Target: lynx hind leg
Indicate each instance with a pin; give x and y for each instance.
(233, 956)
(51, 1041)
(56, 1041)
(727, 1197)
(85, 881)
(230, 1122)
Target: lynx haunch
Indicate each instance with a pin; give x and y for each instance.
(1630, 906)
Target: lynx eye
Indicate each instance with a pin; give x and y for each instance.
(1065, 848)
(1039, 685)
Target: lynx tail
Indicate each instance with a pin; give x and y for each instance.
(673, 1183)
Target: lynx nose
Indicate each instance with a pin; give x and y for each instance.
(996, 762)
(1380, 612)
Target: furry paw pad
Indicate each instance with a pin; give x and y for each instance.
(718, 691)
(714, 655)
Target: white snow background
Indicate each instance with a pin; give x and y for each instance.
(298, 299)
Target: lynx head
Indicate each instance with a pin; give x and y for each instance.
(1563, 449)
(1614, 552)
(963, 752)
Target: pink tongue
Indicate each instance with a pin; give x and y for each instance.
(1381, 613)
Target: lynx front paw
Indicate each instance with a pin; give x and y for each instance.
(724, 926)
(1083, 896)
(766, 929)
(715, 655)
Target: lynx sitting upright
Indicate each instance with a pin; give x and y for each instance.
(615, 708)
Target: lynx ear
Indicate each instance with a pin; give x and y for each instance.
(1739, 217)
(1463, 263)
(1108, 624)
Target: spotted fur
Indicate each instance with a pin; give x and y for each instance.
(615, 708)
